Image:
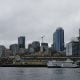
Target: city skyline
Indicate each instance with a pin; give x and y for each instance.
(33, 18)
(26, 45)
(58, 34)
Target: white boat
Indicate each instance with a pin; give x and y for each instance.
(61, 64)
(53, 64)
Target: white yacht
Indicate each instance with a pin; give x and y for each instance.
(62, 64)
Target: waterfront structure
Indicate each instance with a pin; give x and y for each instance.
(36, 46)
(14, 49)
(2, 51)
(44, 47)
(21, 42)
(73, 48)
(58, 40)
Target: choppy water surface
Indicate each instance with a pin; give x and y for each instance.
(39, 74)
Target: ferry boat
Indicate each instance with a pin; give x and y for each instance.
(53, 64)
(61, 64)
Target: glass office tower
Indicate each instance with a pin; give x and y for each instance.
(21, 42)
(58, 39)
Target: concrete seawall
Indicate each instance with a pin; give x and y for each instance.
(9, 65)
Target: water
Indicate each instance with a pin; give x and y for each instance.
(39, 74)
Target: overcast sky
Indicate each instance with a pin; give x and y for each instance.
(34, 18)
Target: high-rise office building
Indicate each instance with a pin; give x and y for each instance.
(30, 48)
(79, 36)
(21, 42)
(58, 39)
(79, 32)
(36, 46)
(14, 49)
(73, 48)
(2, 50)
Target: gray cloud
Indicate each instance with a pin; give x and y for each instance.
(34, 18)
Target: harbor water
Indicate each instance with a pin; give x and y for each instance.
(39, 73)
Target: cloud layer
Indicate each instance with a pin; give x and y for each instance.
(34, 18)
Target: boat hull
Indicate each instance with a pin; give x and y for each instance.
(61, 64)
(54, 66)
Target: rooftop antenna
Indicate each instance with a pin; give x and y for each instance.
(42, 38)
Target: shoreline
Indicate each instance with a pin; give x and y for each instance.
(44, 66)
(12, 65)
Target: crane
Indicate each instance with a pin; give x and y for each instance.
(42, 38)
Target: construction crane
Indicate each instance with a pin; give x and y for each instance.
(42, 38)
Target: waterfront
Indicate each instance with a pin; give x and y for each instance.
(39, 74)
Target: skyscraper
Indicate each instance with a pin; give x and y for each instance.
(58, 39)
(2, 50)
(36, 46)
(79, 32)
(14, 49)
(21, 42)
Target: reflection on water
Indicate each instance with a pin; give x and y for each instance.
(39, 74)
